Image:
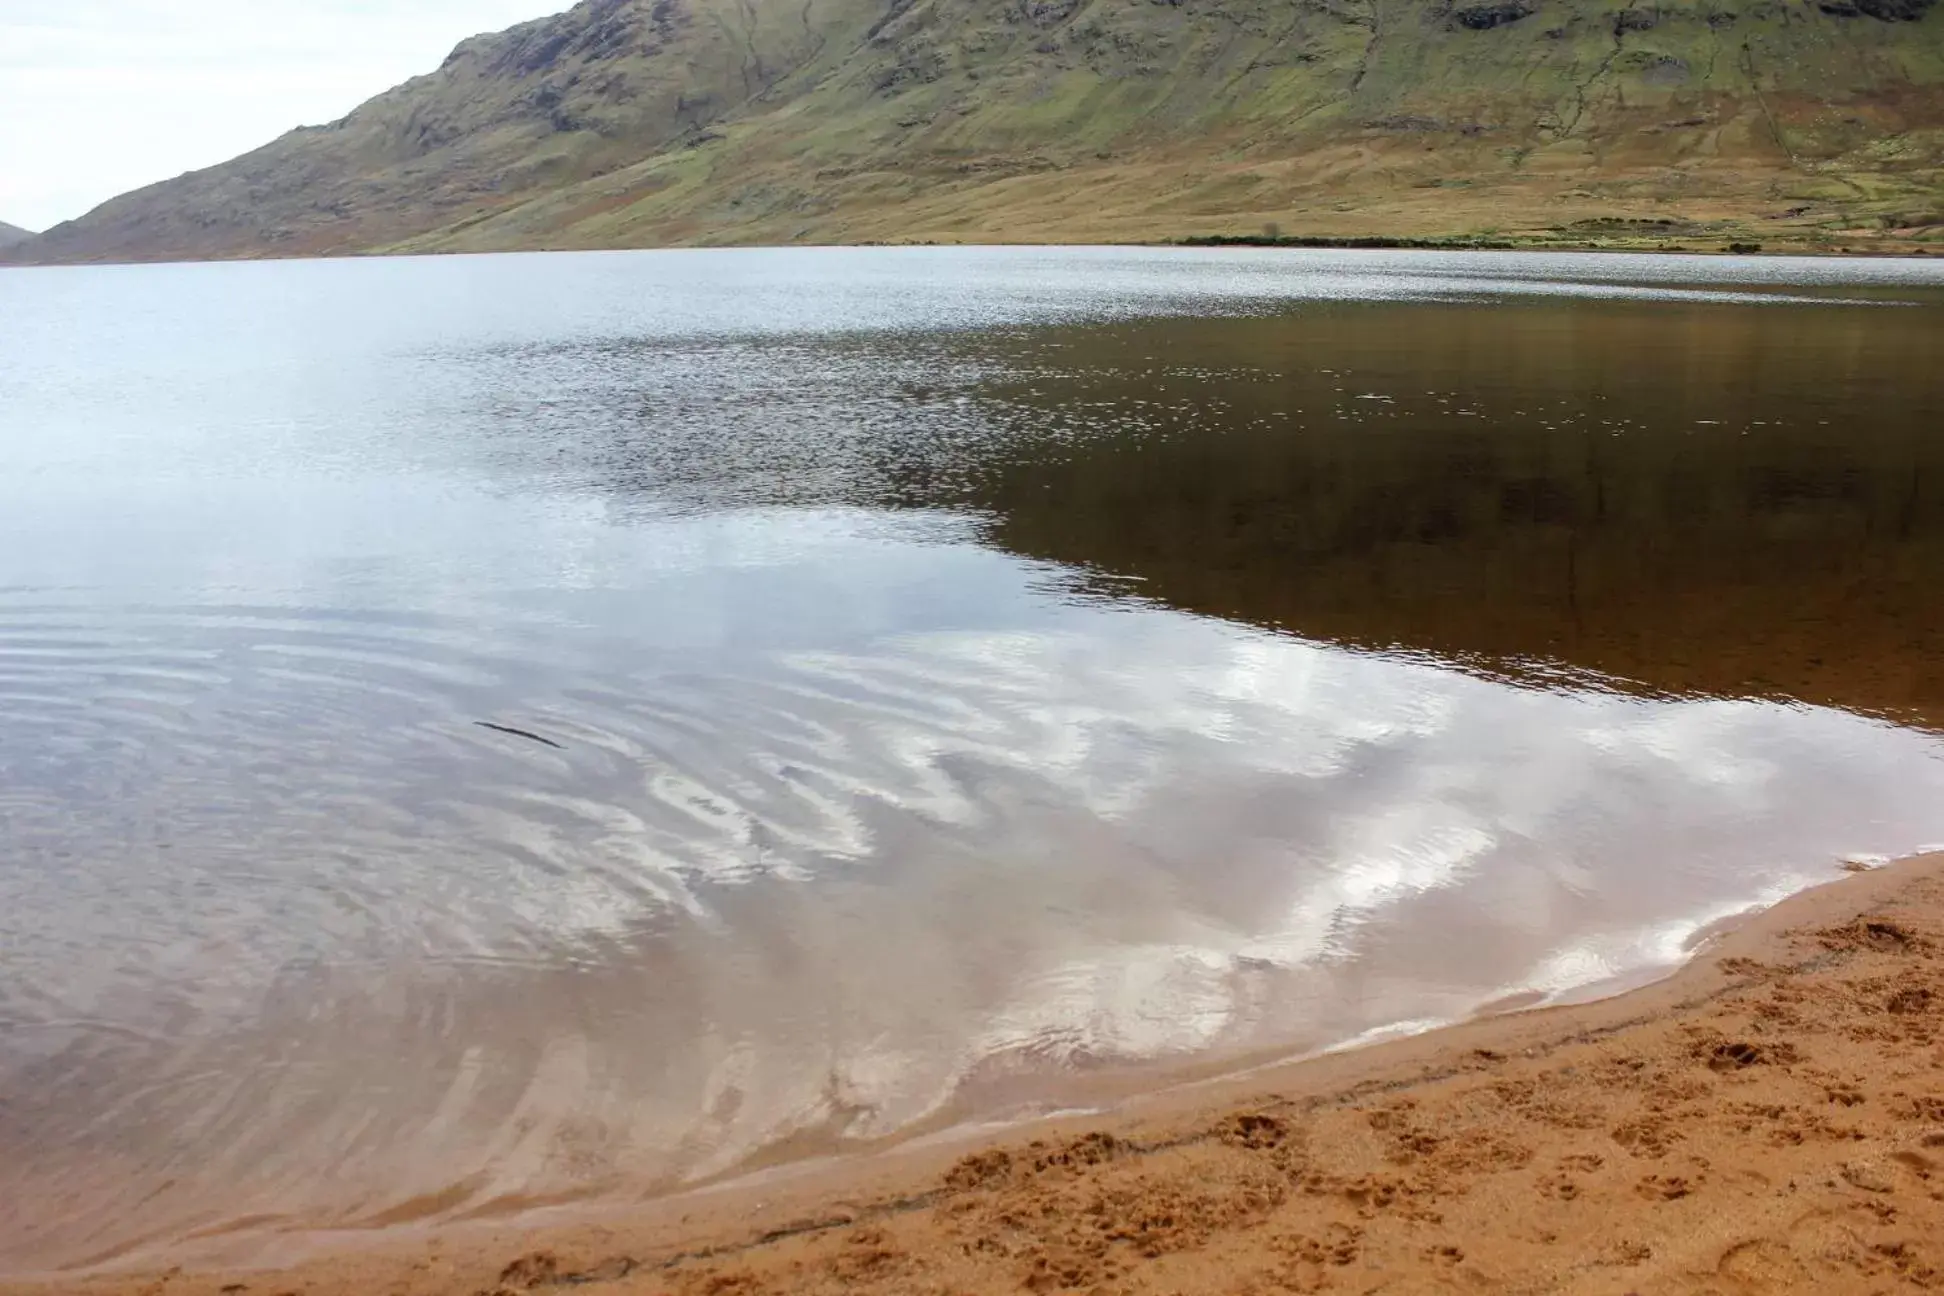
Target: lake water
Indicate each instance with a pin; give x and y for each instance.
(494, 730)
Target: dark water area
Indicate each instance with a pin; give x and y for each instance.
(1709, 500)
(495, 730)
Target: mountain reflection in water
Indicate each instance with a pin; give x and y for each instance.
(1706, 500)
(539, 728)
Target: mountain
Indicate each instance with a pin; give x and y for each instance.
(644, 122)
(12, 234)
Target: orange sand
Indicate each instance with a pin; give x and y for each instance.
(1770, 1119)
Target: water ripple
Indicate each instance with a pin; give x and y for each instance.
(461, 748)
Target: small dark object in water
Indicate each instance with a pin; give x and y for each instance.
(517, 733)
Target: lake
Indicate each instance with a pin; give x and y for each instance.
(481, 732)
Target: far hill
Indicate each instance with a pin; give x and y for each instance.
(1816, 123)
(12, 234)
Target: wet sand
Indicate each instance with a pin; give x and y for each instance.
(1771, 1118)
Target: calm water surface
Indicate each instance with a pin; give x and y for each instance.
(494, 729)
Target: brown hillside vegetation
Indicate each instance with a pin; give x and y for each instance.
(1814, 123)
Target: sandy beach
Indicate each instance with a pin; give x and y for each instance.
(1771, 1118)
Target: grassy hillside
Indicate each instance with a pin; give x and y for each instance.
(640, 122)
(11, 234)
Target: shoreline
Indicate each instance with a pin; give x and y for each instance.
(1858, 249)
(1770, 1114)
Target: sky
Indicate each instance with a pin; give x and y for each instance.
(98, 97)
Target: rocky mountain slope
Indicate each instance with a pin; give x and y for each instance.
(12, 234)
(642, 122)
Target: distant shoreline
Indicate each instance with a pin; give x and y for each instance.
(1462, 244)
(1768, 1111)
(1689, 246)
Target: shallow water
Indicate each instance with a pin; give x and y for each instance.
(928, 683)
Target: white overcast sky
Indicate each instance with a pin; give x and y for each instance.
(101, 96)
